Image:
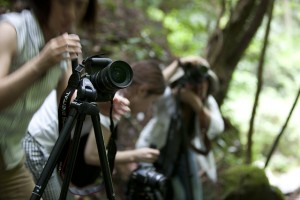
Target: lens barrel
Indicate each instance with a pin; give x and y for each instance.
(116, 75)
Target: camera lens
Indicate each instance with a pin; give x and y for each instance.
(119, 74)
(115, 76)
(156, 179)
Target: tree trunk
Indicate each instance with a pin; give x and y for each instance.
(226, 46)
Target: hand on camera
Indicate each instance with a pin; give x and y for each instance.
(146, 154)
(190, 98)
(120, 107)
(66, 46)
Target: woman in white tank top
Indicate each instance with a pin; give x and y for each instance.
(35, 50)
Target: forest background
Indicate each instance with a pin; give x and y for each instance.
(251, 44)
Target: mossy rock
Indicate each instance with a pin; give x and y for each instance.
(247, 183)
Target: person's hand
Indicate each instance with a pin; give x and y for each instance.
(190, 98)
(146, 154)
(120, 107)
(64, 47)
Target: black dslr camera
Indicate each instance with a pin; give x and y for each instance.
(103, 78)
(192, 75)
(146, 183)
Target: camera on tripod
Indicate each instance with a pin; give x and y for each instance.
(146, 183)
(96, 79)
(103, 78)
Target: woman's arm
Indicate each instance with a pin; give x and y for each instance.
(91, 155)
(169, 71)
(145, 154)
(13, 85)
(128, 156)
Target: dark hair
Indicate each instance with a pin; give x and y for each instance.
(89, 18)
(148, 72)
(41, 9)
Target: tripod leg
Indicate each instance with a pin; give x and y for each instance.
(103, 157)
(72, 158)
(53, 158)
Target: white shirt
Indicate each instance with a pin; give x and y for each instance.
(156, 130)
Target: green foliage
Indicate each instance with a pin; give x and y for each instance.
(281, 82)
(186, 36)
(247, 183)
(5, 3)
(187, 26)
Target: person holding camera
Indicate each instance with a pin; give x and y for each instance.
(185, 120)
(35, 48)
(42, 131)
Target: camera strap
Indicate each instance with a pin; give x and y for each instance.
(171, 150)
(63, 112)
(111, 146)
(206, 141)
(64, 104)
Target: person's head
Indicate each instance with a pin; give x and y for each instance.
(147, 85)
(195, 74)
(60, 16)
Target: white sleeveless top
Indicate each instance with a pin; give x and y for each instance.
(15, 118)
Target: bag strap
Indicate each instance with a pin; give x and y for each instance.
(111, 146)
(207, 143)
(171, 150)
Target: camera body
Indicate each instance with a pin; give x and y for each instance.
(105, 76)
(191, 74)
(146, 183)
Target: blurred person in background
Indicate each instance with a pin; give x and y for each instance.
(185, 120)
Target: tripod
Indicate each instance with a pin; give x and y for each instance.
(79, 108)
(78, 111)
